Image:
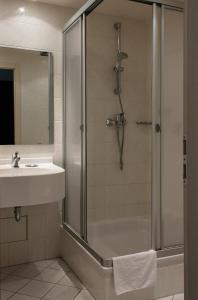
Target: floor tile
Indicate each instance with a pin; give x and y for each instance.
(42, 264)
(50, 275)
(84, 295)
(61, 293)
(22, 297)
(9, 270)
(179, 297)
(59, 264)
(36, 289)
(27, 271)
(70, 279)
(166, 298)
(13, 283)
(4, 295)
(3, 276)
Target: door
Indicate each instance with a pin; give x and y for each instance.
(73, 125)
(172, 128)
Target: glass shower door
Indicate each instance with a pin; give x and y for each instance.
(119, 69)
(73, 125)
(172, 124)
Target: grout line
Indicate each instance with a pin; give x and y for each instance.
(19, 288)
(11, 274)
(45, 281)
(47, 292)
(11, 295)
(30, 279)
(39, 281)
(23, 286)
(77, 295)
(19, 295)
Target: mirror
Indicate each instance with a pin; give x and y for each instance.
(26, 97)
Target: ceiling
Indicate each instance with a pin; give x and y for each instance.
(68, 3)
(125, 8)
(121, 8)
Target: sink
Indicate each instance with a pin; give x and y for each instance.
(26, 185)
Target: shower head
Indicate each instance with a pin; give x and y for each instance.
(122, 55)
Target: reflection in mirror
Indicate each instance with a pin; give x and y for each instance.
(26, 97)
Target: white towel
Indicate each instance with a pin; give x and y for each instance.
(135, 271)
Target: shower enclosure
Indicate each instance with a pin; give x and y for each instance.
(124, 127)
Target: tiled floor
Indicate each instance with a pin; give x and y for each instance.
(47, 280)
(176, 297)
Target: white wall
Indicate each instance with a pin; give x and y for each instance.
(39, 28)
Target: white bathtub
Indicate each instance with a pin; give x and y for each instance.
(99, 280)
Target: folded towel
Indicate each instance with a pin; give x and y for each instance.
(134, 272)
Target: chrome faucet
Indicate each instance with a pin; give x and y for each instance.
(15, 160)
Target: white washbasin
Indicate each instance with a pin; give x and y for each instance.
(25, 186)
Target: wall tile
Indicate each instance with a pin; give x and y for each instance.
(40, 28)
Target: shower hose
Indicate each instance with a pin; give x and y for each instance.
(120, 130)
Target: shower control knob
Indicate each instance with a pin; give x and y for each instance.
(110, 122)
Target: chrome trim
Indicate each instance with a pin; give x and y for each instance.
(64, 203)
(172, 3)
(173, 8)
(162, 65)
(85, 9)
(156, 136)
(84, 134)
(170, 251)
(82, 131)
(51, 97)
(83, 243)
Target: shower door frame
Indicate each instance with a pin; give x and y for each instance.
(157, 41)
(176, 247)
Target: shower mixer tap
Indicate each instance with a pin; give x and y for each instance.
(118, 120)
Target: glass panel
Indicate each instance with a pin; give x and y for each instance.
(73, 125)
(119, 73)
(172, 125)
